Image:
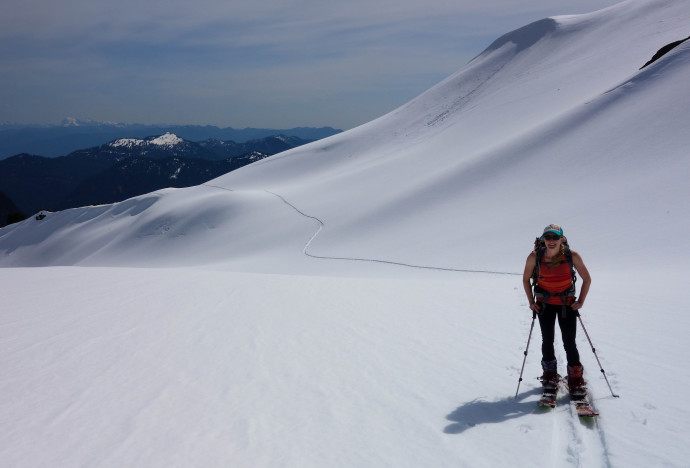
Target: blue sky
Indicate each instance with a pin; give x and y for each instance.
(239, 63)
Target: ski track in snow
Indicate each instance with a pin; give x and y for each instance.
(581, 440)
(321, 227)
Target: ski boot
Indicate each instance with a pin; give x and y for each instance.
(550, 377)
(576, 384)
(549, 381)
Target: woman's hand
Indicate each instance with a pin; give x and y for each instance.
(577, 305)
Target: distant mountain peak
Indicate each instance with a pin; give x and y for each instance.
(70, 122)
(167, 139)
(74, 122)
(74, 134)
(126, 142)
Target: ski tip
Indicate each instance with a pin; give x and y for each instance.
(586, 412)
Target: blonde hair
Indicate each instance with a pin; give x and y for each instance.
(556, 259)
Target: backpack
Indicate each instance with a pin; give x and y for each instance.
(539, 293)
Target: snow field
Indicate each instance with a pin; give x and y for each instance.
(218, 373)
(189, 367)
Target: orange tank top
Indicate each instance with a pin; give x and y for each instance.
(554, 280)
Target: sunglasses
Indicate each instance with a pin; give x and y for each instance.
(551, 237)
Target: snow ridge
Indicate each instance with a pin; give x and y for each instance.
(168, 140)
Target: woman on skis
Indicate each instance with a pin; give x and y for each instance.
(554, 299)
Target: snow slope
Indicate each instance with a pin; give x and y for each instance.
(558, 107)
(189, 367)
(357, 301)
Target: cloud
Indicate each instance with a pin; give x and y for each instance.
(129, 54)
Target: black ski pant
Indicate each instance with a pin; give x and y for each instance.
(567, 321)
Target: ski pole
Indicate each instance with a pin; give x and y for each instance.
(534, 316)
(595, 355)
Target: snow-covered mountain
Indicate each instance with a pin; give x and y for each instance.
(159, 146)
(536, 128)
(74, 122)
(357, 301)
(167, 139)
(54, 141)
(127, 167)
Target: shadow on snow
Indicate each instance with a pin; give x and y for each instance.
(478, 412)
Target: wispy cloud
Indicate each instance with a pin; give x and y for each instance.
(258, 63)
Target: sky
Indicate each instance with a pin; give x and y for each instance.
(276, 64)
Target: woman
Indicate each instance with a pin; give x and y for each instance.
(554, 298)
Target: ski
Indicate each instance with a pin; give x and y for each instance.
(548, 397)
(581, 403)
(584, 409)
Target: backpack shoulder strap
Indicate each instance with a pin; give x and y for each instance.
(539, 250)
(569, 258)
